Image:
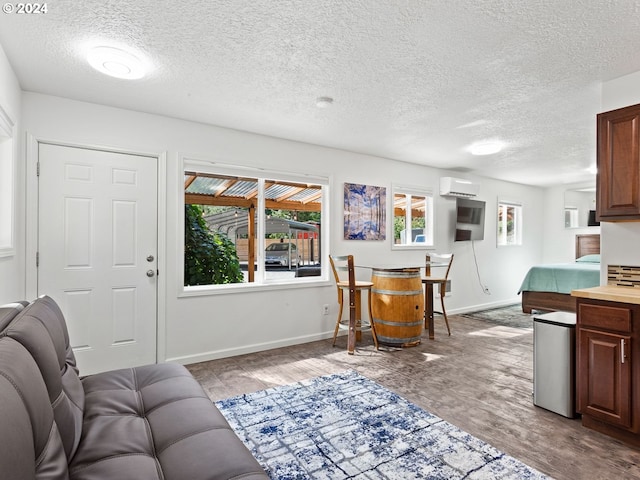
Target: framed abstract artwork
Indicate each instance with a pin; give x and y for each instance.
(365, 215)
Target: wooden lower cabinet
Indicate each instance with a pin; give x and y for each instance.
(608, 368)
(605, 392)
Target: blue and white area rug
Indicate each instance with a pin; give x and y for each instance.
(347, 426)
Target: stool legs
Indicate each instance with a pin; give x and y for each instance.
(358, 320)
(335, 331)
(444, 312)
(373, 325)
(429, 311)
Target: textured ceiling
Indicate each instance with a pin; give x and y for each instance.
(413, 80)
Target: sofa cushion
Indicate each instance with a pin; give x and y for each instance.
(156, 422)
(31, 445)
(41, 331)
(9, 311)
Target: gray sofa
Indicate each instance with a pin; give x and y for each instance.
(150, 422)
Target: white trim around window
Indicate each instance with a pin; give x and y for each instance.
(8, 155)
(415, 237)
(509, 223)
(262, 279)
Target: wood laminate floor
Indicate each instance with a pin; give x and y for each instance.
(479, 379)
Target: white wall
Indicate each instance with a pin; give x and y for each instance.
(12, 286)
(620, 240)
(199, 328)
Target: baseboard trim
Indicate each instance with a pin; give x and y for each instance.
(245, 349)
(287, 342)
(483, 306)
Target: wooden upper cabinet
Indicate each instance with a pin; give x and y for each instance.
(618, 183)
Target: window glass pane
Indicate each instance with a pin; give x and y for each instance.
(7, 182)
(509, 224)
(412, 219)
(292, 227)
(570, 217)
(418, 219)
(399, 218)
(218, 210)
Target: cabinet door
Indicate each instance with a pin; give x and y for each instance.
(605, 377)
(618, 192)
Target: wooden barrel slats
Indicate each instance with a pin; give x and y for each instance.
(397, 302)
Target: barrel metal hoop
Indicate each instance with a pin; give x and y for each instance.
(397, 324)
(396, 292)
(396, 340)
(407, 275)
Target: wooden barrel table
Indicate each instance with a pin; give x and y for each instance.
(397, 304)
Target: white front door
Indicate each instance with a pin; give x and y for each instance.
(97, 248)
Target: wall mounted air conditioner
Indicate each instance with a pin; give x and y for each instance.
(458, 187)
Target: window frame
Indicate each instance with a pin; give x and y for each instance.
(8, 166)
(571, 214)
(261, 282)
(410, 191)
(518, 222)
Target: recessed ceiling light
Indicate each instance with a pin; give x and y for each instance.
(116, 63)
(485, 148)
(324, 102)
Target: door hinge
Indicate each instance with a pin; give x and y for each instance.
(38, 169)
(37, 259)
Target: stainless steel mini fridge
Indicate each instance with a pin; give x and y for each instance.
(554, 340)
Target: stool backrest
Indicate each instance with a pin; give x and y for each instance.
(444, 258)
(343, 263)
(342, 267)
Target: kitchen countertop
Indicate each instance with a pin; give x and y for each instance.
(610, 293)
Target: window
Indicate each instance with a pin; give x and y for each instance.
(412, 217)
(509, 223)
(570, 216)
(245, 227)
(7, 183)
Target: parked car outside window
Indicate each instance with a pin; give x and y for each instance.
(278, 254)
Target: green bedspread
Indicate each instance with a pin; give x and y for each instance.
(561, 278)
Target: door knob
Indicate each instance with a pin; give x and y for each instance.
(150, 258)
(150, 273)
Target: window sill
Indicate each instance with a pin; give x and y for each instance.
(205, 290)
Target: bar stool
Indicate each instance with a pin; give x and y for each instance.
(354, 287)
(446, 259)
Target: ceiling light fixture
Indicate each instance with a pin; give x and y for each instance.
(116, 63)
(324, 102)
(485, 148)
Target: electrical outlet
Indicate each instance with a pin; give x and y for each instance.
(325, 309)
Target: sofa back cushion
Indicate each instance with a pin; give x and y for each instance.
(31, 444)
(41, 329)
(8, 313)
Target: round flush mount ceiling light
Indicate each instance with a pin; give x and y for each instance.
(485, 148)
(324, 102)
(116, 63)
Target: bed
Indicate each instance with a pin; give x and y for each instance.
(548, 287)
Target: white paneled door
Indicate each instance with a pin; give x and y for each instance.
(97, 248)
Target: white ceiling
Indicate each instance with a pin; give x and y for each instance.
(413, 80)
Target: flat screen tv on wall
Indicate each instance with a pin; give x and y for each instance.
(469, 219)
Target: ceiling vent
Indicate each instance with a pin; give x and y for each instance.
(458, 187)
